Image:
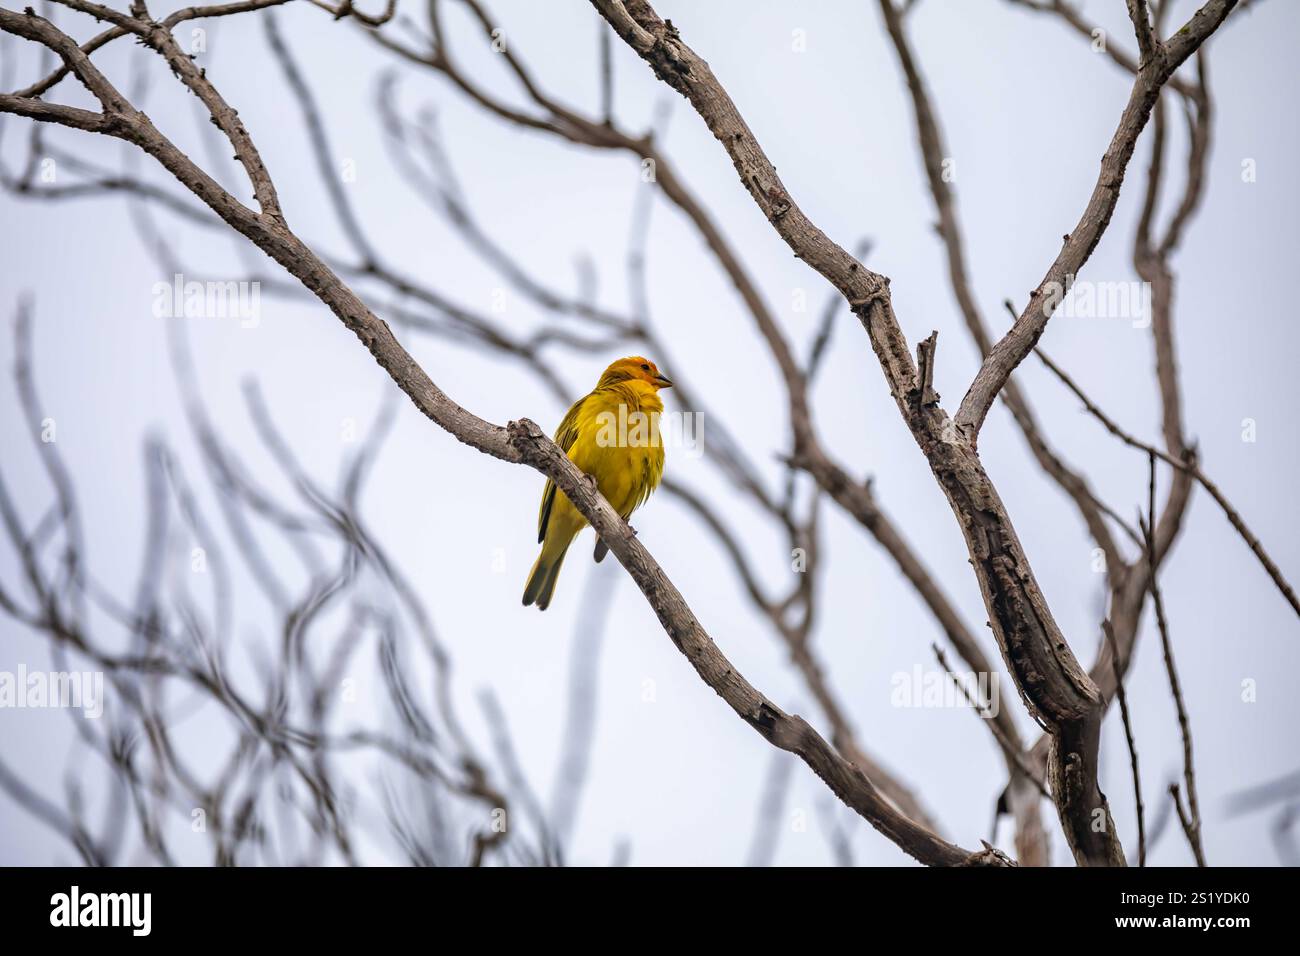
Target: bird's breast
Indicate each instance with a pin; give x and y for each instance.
(621, 445)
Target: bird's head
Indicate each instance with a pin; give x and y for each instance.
(634, 368)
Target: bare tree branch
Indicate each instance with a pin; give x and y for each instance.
(1192, 819)
(522, 442)
(1052, 683)
(1109, 633)
(1188, 466)
(1011, 350)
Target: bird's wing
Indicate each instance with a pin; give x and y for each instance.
(565, 436)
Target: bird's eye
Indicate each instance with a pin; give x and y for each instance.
(645, 368)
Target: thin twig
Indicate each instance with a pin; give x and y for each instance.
(1191, 822)
(1016, 756)
(1122, 694)
(1191, 467)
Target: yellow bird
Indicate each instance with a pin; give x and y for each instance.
(611, 434)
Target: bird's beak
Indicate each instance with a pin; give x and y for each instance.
(662, 381)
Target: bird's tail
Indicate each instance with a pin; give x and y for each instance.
(541, 580)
